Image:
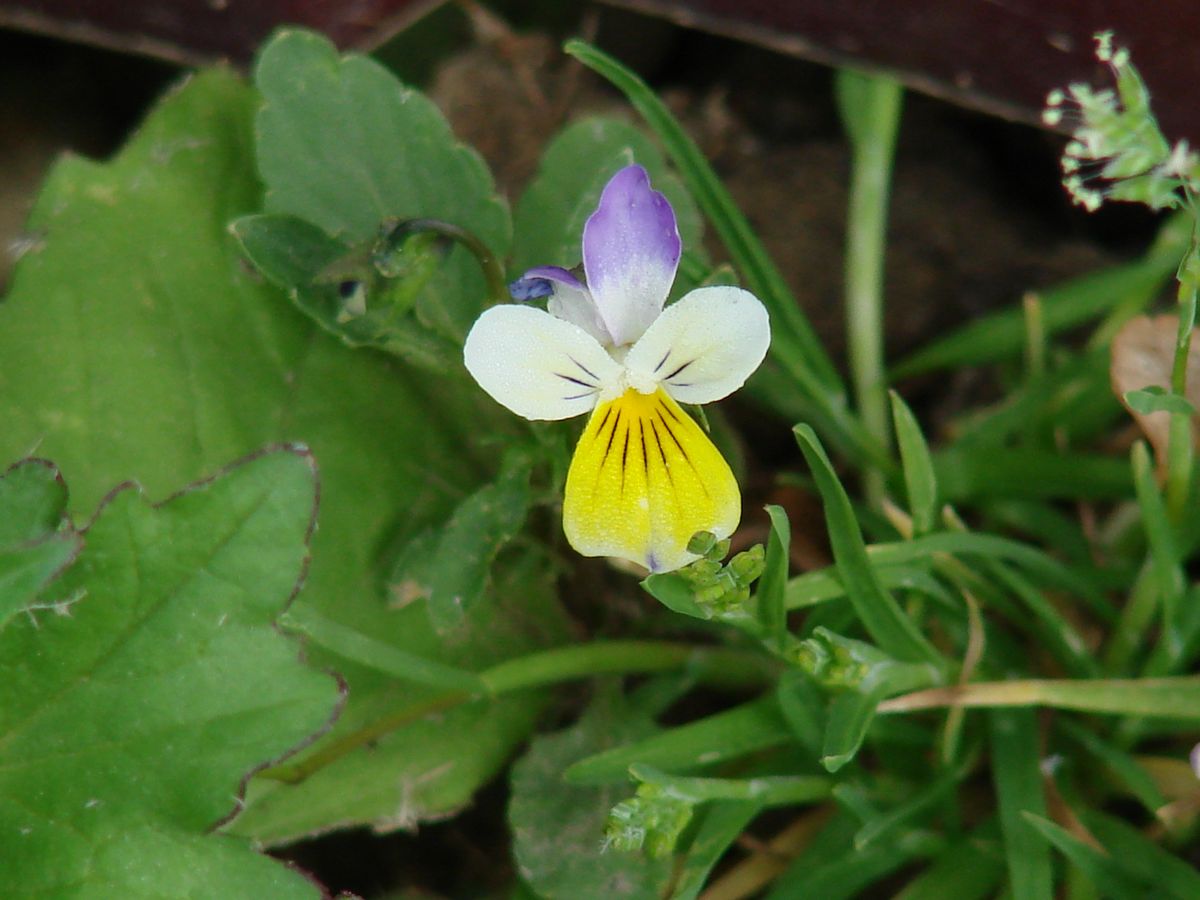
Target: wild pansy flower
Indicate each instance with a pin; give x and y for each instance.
(645, 478)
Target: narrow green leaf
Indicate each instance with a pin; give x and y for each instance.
(966, 474)
(803, 706)
(721, 825)
(1131, 775)
(882, 617)
(1002, 335)
(368, 651)
(968, 869)
(910, 811)
(1146, 860)
(771, 790)
(1168, 698)
(822, 585)
(128, 727)
(754, 726)
(870, 109)
(851, 713)
(920, 480)
(1164, 551)
(1104, 872)
(832, 869)
(1018, 780)
(773, 582)
(1156, 399)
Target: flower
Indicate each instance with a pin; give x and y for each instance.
(644, 478)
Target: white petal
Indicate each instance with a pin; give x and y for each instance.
(575, 305)
(538, 366)
(704, 347)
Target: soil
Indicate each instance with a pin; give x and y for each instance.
(977, 219)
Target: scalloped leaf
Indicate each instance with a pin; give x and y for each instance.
(35, 540)
(136, 344)
(128, 725)
(344, 145)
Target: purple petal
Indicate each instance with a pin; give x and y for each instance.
(539, 282)
(569, 300)
(630, 253)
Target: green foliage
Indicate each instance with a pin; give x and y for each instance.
(997, 658)
(343, 145)
(558, 828)
(129, 721)
(34, 540)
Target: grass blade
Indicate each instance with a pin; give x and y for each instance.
(882, 617)
(1017, 773)
(920, 479)
(753, 726)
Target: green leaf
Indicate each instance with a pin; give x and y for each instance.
(1169, 875)
(127, 727)
(549, 218)
(1018, 780)
(773, 581)
(1168, 698)
(1030, 559)
(1165, 558)
(558, 828)
(33, 498)
(753, 726)
(468, 543)
(176, 360)
(968, 869)
(1001, 335)
(1125, 768)
(1156, 399)
(364, 649)
(720, 826)
(882, 617)
(870, 676)
(970, 474)
(343, 145)
(831, 868)
(920, 479)
(292, 254)
(803, 704)
(35, 541)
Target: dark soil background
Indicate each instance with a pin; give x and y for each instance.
(978, 218)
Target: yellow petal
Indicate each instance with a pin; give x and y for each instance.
(644, 479)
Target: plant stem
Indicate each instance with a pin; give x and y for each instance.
(1180, 450)
(870, 109)
(711, 665)
(395, 232)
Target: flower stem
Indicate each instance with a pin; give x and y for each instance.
(396, 232)
(718, 666)
(870, 108)
(1180, 449)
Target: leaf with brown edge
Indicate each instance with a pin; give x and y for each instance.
(129, 725)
